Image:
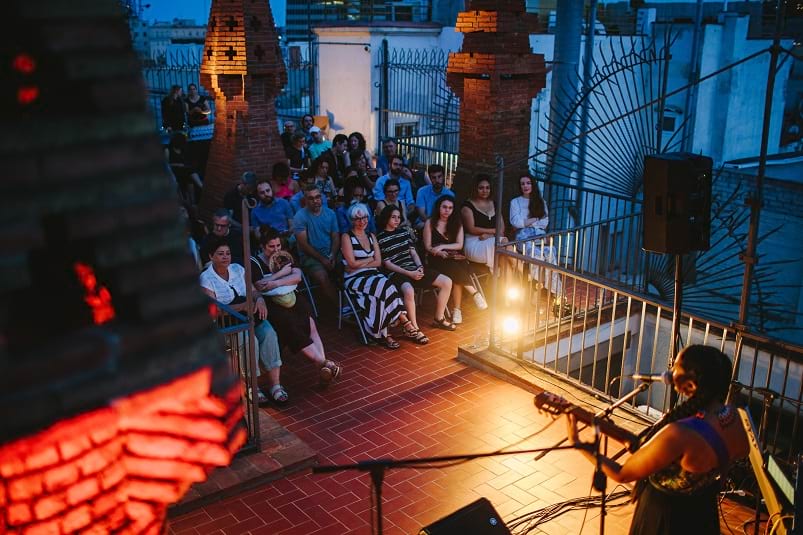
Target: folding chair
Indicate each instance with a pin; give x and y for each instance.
(307, 288)
(346, 308)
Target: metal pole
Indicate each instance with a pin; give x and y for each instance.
(691, 94)
(495, 301)
(588, 60)
(384, 94)
(677, 309)
(755, 202)
(662, 102)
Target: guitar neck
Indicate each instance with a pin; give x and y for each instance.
(557, 405)
(607, 427)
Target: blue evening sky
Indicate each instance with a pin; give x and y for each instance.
(167, 10)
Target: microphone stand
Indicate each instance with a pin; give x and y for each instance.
(378, 467)
(600, 480)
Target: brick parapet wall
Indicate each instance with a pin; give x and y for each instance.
(496, 76)
(245, 87)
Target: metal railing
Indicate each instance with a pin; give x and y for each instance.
(240, 343)
(594, 334)
(608, 249)
(422, 151)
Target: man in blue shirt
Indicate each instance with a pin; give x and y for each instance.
(319, 145)
(400, 173)
(315, 227)
(275, 213)
(427, 195)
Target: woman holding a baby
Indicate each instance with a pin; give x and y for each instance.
(275, 276)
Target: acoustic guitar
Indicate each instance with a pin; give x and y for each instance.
(556, 405)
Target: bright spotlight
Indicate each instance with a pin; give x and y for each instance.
(511, 325)
(513, 293)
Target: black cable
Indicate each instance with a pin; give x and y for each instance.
(526, 523)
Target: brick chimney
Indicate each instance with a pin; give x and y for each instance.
(496, 77)
(115, 392)
(242, 67)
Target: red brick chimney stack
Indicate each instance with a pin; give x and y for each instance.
(496, 77)
(242, 68)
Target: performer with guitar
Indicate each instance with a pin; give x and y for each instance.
(685, 453)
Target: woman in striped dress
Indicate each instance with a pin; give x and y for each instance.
(377, 297)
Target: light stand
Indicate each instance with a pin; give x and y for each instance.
(600, 479)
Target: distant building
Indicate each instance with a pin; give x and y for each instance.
(302, 15)
(152, 41)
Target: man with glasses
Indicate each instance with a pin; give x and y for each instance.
(222, 228)
(400, 173)
(315, 228)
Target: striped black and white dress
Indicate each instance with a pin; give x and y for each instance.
(377, 297)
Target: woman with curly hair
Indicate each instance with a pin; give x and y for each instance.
(686, 452)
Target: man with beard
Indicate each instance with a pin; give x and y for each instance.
(400, 173)
(275, 213)
(427, 195)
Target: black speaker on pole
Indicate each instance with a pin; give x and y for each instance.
(677, 202)
(476, 518)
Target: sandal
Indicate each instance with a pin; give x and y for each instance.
(279, 394)
(388, 342)
(330, 371)
(416, 336)
(444, 324)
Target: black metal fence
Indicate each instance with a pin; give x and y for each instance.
(416, 107)
(183, 68)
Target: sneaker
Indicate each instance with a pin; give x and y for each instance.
(345, 311)
(330, 371)
(457, 316)
(479, 300)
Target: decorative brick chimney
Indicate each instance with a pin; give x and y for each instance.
(115, 392)
(496, 77)
(242, 67)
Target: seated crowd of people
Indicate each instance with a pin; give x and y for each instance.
(332, 218)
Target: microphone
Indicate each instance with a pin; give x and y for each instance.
(665, 377)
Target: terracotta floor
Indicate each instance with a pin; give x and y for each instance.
(416, 401)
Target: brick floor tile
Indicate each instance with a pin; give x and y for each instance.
(411, 403)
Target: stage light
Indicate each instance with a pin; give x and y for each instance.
(513, 293)
(511, 325)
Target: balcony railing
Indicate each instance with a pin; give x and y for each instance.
(595, 333)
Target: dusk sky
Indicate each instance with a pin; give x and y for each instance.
(198, 10)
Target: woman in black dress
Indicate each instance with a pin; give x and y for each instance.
(686, 452)
(443, 242)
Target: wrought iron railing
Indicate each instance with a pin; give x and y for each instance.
(240, 343)
(425, 150)
(594, 334)
(608, 249)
